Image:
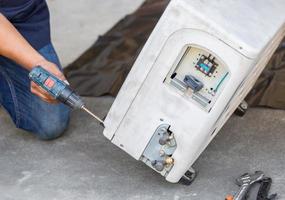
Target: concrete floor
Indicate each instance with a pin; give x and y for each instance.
(83, 165)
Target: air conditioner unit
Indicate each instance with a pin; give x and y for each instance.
(199, 63)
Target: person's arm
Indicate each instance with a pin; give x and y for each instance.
(14, 46)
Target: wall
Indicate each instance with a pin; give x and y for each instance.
(77, 24)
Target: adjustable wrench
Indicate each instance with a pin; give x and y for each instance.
(245, 182)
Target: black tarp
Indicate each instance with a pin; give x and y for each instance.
(102, 69)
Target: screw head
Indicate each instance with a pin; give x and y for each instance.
(161, 153)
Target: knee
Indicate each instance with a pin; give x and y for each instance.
(52, 129)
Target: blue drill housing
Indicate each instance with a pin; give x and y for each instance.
(39, 76)
(55, 87)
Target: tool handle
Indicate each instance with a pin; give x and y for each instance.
(242, 192)
(55, 87)
(229, 197)
(47, 81)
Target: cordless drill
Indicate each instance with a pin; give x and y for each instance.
(59, 89)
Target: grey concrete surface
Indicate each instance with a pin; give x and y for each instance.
(83, 165)
(75, 25)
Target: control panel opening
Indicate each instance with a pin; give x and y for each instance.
(199, 75)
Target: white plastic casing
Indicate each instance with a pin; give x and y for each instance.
(241, 34)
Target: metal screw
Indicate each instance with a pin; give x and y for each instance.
(161, 153)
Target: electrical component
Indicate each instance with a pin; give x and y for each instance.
(193, 83)
(207, 65)
(204, 75)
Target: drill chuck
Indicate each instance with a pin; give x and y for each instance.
(70, 98)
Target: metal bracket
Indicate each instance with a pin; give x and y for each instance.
(158, 153)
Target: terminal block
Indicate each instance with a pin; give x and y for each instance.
(207, 65)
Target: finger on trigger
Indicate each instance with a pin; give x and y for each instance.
(66, 82)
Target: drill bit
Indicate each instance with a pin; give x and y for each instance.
(93, 115)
